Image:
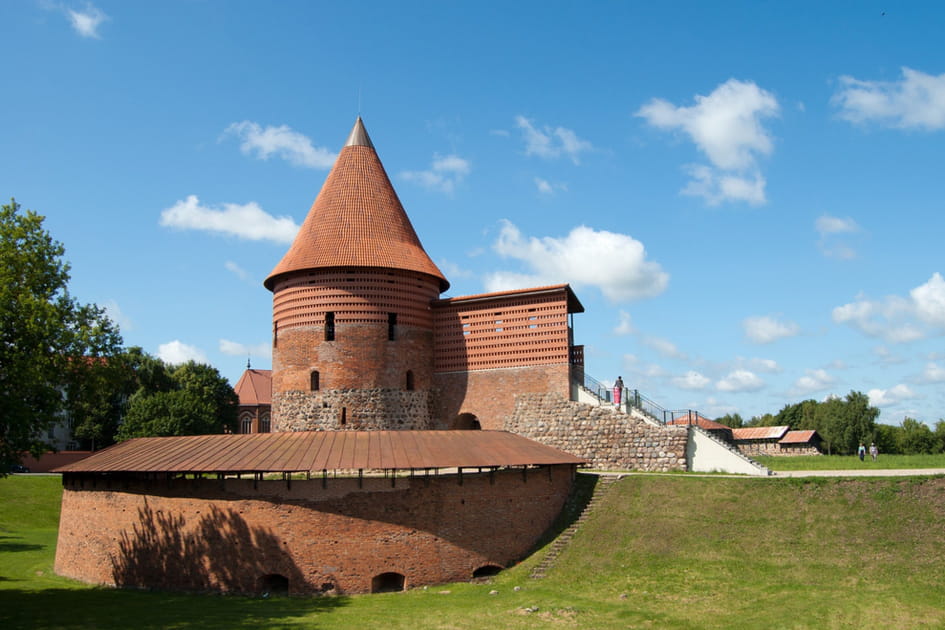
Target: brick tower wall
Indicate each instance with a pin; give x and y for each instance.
(361, 364)
(212, 535)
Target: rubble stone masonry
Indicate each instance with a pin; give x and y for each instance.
(352, 410)
(317, 536)
(608, 439)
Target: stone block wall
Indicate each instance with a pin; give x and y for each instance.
(608, 439)
(335, 535)
(352, 410)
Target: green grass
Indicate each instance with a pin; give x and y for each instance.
(658, 552)
(851, 462)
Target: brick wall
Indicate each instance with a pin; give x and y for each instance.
(491, 395)
(608, 439)
(227, 535)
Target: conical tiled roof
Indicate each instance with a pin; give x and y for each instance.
(357, 220)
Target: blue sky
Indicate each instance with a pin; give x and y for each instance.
(746, 197)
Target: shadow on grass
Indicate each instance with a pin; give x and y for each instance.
(108, 608)
(7, 544)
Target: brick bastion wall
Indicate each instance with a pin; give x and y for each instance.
(338, 535)
(608, 439)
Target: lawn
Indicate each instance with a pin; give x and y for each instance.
(851, 462)
(658, 552)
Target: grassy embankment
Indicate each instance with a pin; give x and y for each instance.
(852, 462)
(659, 552)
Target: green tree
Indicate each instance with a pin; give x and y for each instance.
(916, 438)
(47, 338)
(939, 436)
(732, 420)
(189, 399)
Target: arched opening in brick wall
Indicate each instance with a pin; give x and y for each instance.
(246, 423)
(390, 582)
(465, 422)
(265, 424)
(487, 570)
(313, 381)
(273, 584)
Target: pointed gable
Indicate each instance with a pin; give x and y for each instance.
(357, 220)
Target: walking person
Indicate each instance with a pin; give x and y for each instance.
(618, 390)
(874, 451)
(861, 452)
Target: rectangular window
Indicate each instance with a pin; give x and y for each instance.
(329, 326)
(391, 326)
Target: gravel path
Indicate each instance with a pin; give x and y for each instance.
(883, 472)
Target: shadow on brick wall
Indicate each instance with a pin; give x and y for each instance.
(220, 553)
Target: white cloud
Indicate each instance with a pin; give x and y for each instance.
(236, 270)
(740, 381)
(624, 325)
(282, 142)
(762, 365)
(897, 319)
(235, 349)
(548, 188)
(114, 313)
(827, 224)
(247, 221)
(768, 329)
(691, 380)
(929, 300)
(726, 126)
(86, 22)
(444, 173)
(717, 187)
(888, 397)
(916, 101)
(664, 346)
(615, 263)
(176, 352)
(813, 381)
(934, 373)
(550, 142)
(829, 228)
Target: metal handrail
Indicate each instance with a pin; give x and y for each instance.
(633, 398)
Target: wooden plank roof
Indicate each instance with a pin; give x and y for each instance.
(321, 450)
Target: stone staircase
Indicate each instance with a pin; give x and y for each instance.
(604, 482)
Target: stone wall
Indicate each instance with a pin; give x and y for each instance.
(773, 448)
(320, 536)
(608, 439)
(353, 410)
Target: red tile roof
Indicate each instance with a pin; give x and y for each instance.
(321, 450)
(699, 421)
(357, 220)
(759, 433)
(255, 387)
(798, 437)
(574, 304)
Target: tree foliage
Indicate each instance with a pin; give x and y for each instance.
(49, 342)
(188, 399)
(841, 422)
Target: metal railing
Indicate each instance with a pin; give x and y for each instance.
(633, 398)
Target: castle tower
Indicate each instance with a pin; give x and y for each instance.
(352, 322)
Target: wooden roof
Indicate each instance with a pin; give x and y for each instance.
(357, 220)
(321, 450)
(760, 433)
